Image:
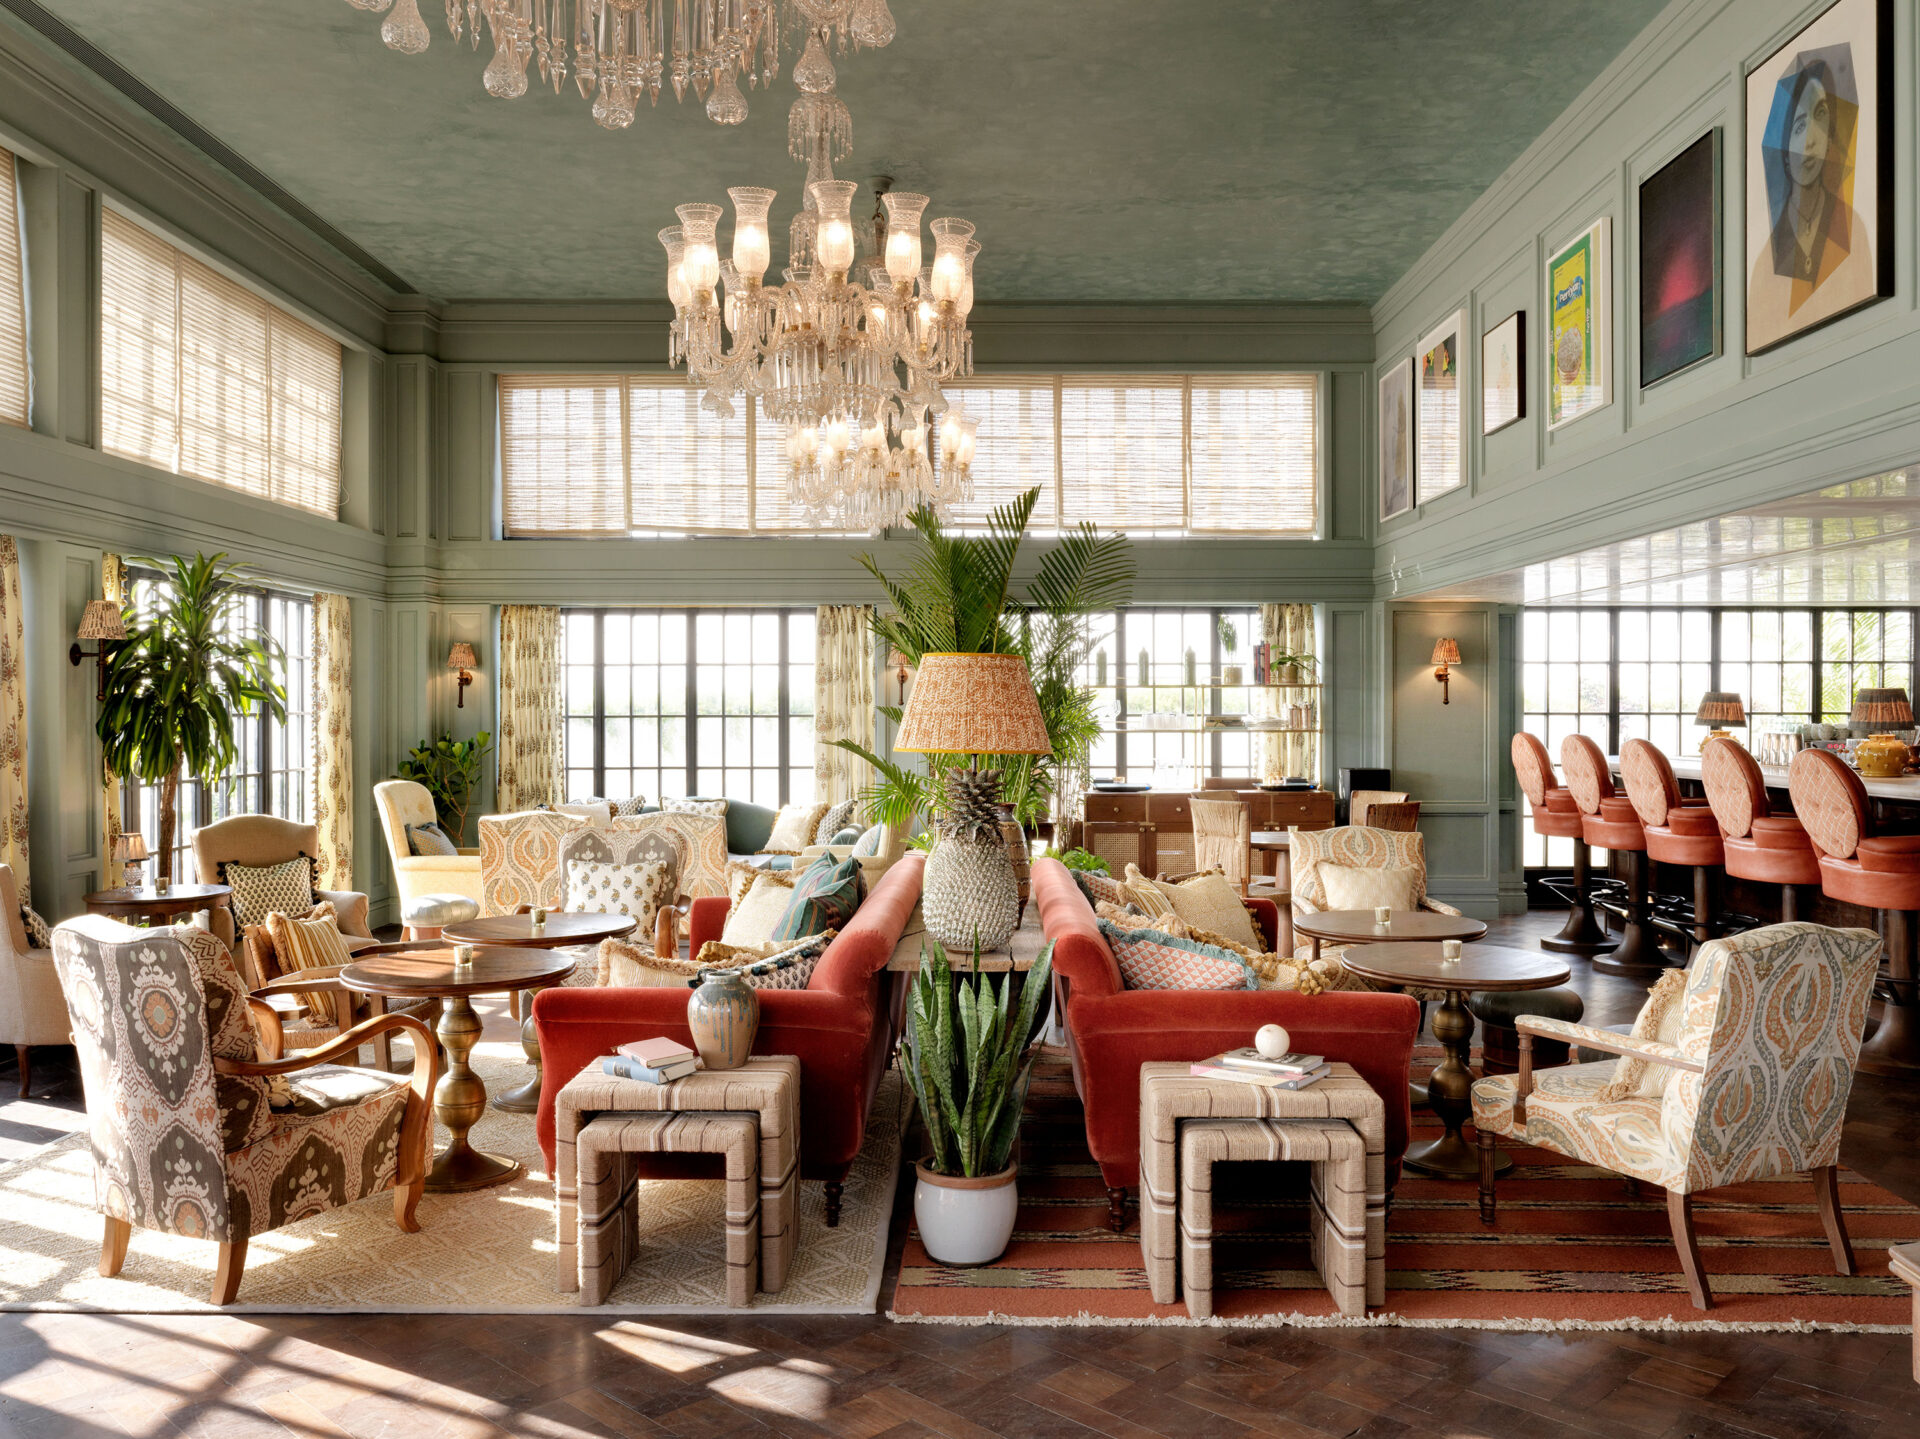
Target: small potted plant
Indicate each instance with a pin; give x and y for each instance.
(1230, 675)
(969, 1061)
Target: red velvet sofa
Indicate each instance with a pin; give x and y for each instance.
(1112, 1031)
(841, 1026)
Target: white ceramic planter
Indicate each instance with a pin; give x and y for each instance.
(965, 1221)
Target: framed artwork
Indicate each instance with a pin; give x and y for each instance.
(1680, 262)
(1503, 374)
(1396, 439)
(1440, 414)
(1818, 175)
(1579, 300)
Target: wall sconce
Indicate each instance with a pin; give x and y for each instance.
(902, 672)
(102, 622)
(1445, 652)
(461, 658)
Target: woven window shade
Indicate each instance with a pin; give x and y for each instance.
(1253, 446)
(203, 377)
(13, 301)
(688, 466)
(1017, 447)
(562, 455)
(1123, 452)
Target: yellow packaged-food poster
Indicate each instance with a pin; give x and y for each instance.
(1572, 313)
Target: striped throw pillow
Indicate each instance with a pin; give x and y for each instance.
(824, 897)
(316, 943)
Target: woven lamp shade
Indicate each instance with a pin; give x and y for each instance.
(101, 621)
(1720, 708)
(1888, 707)
(1445, 652)
(973, 704)
(462, 658)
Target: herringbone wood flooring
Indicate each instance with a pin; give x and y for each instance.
(547, 1376)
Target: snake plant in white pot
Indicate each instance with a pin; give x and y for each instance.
(968, 1055)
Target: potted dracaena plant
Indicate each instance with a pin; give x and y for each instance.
(968, 1055)
(180, 682)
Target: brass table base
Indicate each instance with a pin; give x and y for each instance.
(458, 1102)
(1450, 1096)
(525, 1098)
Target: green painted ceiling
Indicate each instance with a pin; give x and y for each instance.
(1109, 150)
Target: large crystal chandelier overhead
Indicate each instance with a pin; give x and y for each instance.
(617, 50)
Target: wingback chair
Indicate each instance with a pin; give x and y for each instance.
(1356, 847)
(31, 1009)
(264, 839)
(1753, 1084)
(1223, 838)
(185, 1137)
(402, 802)
(520, 854)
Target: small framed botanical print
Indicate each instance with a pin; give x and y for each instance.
(1503, 374)
(1396, 439)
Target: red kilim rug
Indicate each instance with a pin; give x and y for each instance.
(1571, 1248)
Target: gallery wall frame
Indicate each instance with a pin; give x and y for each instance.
(1680, 282)
(1579, 358)
(1503, 374)
(1396, 459)
(1440, 408)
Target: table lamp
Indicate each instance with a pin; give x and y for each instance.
(971, 705)
(1882, 756)
(130, 850)
(1718, 709)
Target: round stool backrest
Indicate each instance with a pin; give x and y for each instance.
(1830, 801)
(1650, 782)
(1734, 785)
(1585, 768)
(1533, 767)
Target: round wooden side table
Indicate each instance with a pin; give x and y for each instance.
(1357, 926)
(563, 928)
(460, 1098)
(1450, 1086)
(158, 906)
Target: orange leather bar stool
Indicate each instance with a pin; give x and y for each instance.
(1556, 815)
(1879, 872)
(1679, 831)
(1759, 844)
(1608, 821)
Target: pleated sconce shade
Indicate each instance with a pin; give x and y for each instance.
(461, 657)
(101, 621)
(1445, 652)
(973, 704)
(1889, 707)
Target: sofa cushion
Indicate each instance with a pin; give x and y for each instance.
(1351, 887)
(1660, 1018)
(793, 828)
(837, 818)
(429, 838)
(311, 942)
(761, 907)
(825, 895)
(1153, 959)
(635, 890)
(1211, 902)
(260, 890)
(867, 846)
(694, 806)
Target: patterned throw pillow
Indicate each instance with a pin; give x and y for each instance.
(629, 808)
(837, 818)
(39, 932)
(1149, 959)
(259, 891)
(825, 895)
(597, 886)
(868, 845)
(1350, 887)
(793, 828)
(758, 912)
(788, 965)
(716, 807)
(1210, 901)
(314, 943)
(1659, 1018)
(429, 838)
(1099, 888)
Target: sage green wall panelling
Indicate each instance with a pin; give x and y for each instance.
(1351, 697)
(63, 757)
(1513, 889)
(479, 626)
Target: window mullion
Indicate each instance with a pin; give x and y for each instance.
(784, 748)
(692, 706)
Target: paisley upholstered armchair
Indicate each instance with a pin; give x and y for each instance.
(1356, 847)
(1738, 1069)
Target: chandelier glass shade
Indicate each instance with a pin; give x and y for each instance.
(615, 51)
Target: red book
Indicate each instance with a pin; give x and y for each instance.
(656, 1052)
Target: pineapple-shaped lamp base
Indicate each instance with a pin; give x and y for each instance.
(969, 892)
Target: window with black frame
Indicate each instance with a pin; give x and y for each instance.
(1160, 727)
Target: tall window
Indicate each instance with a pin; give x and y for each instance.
(1167, 731)
(598, 455)
(1628, 673)
(202, 377)
(684, 702)
(13, 300)
(270, 770)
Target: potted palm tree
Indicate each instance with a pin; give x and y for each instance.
(179, 683)
(969, 1061)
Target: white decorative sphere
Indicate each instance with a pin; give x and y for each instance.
(1271, 1041)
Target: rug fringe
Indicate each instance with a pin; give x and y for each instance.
(1667, 1324)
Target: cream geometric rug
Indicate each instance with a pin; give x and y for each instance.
(488, 1252)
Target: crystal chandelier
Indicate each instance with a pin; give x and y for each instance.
(621, 49)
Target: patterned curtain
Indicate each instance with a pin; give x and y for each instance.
(113, 586)
(1288, 629)
(530, 735)
(842, 700)
(13, 720)
(331, 648)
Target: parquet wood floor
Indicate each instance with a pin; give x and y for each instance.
(401, 1375)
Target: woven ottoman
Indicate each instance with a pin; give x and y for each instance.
(1336, 1157)
(1500, 1041)
(766, 1087)
(1170, 1092)
(609, 1197)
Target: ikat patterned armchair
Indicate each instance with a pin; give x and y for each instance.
(1738, 1069)
(188, 1134)
(1356, 847)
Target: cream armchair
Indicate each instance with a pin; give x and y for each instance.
(31, 1008)
(263, 839)
(402, 802)
(1356, 847)
(1751, 1083)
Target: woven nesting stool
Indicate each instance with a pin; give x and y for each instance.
(1679, 831)
(1756, 843)
(1609, 821)
(1556, 815)
(1877, 872)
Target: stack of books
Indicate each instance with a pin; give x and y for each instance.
(654, 1061)
(1249, 1066)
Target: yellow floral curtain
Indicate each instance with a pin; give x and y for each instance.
(113, 586)
(1289, 629)
(13, 720)
(331, 648)
(530, 736)
(842, 699)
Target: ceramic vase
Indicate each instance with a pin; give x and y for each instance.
(724, 1015)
